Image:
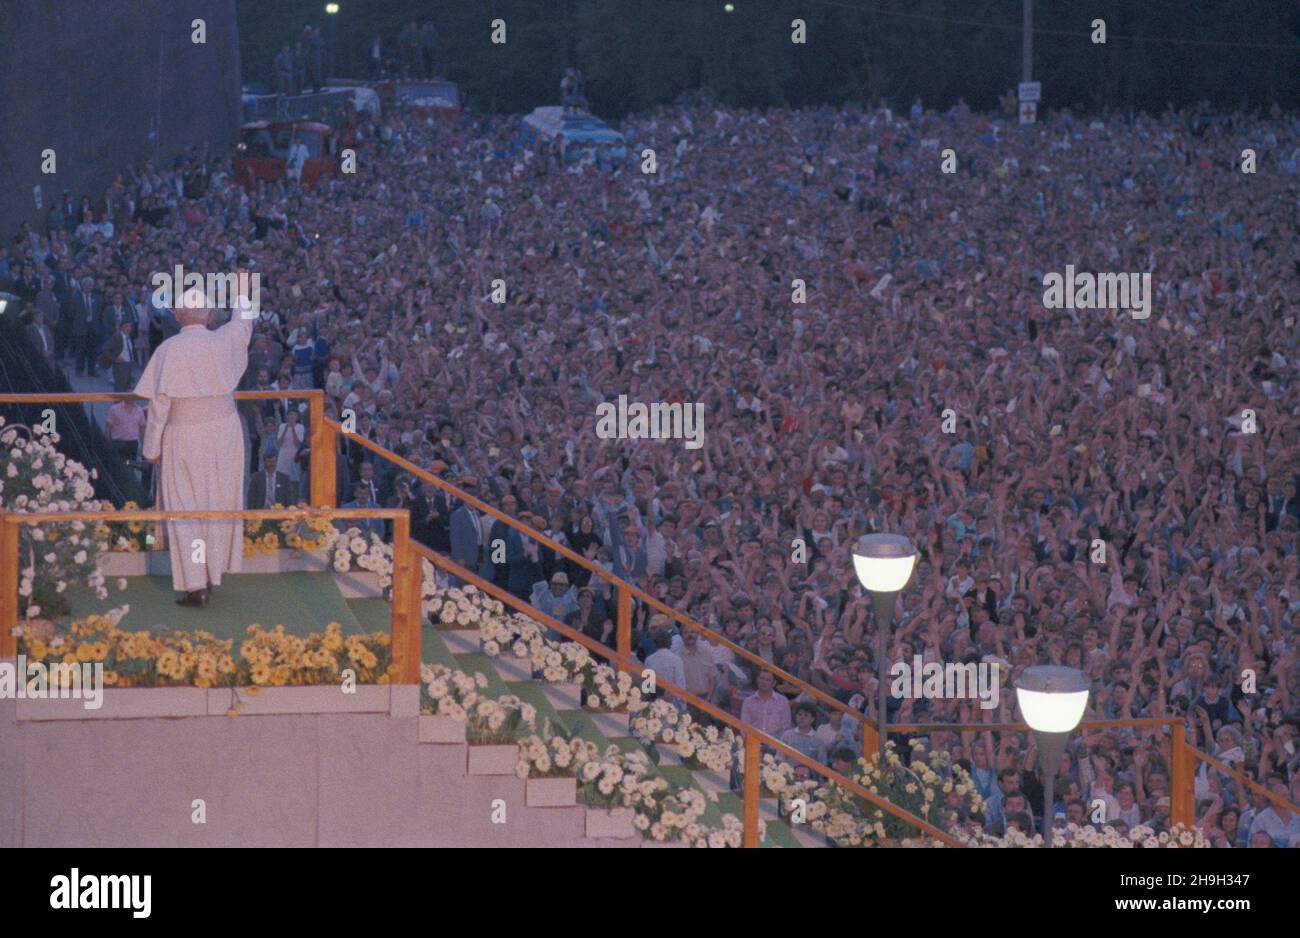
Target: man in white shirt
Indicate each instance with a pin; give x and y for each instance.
(700, 670)
(666, 665)
(296, 160)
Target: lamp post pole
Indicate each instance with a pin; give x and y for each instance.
(1051, 747)
(883, 605)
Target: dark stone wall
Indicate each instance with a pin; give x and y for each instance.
(105, 83)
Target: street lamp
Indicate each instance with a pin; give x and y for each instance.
(884, 564)
(331, 8)
(1052, 700)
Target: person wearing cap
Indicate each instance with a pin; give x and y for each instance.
(194, 432)
(558, 598)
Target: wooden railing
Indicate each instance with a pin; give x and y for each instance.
(407, 618)
(754, 738)
(1250, 783)
(625, 591)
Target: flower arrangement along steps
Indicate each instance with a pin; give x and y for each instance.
(373, 614)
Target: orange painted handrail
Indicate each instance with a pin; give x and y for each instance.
(1250, 783)
(754, 737)
(407, 617)
(625, 589)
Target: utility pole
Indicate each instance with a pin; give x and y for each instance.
(1027, 43)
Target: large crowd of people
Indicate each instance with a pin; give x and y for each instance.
(1110, 493)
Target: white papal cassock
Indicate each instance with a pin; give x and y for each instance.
(194, 426)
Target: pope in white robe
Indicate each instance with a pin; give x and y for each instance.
(195, 433)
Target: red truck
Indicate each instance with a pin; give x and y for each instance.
(265, 148)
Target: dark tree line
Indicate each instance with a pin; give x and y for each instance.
(639, 53)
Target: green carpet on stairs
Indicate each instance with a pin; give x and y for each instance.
(581, 722)
(300, 601)
(532, 692)
(435, 650)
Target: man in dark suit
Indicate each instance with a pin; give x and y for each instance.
(361, 499)
(1282, 501)
(47, 302)
(267, 487)
(119, 354)
(523, 558)
(41, 336)
(467, 534)
(64, 336)
(380, 491)
(501, 534)
(430, 517)
(85, 309)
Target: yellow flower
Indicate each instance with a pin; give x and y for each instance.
(132, 547)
